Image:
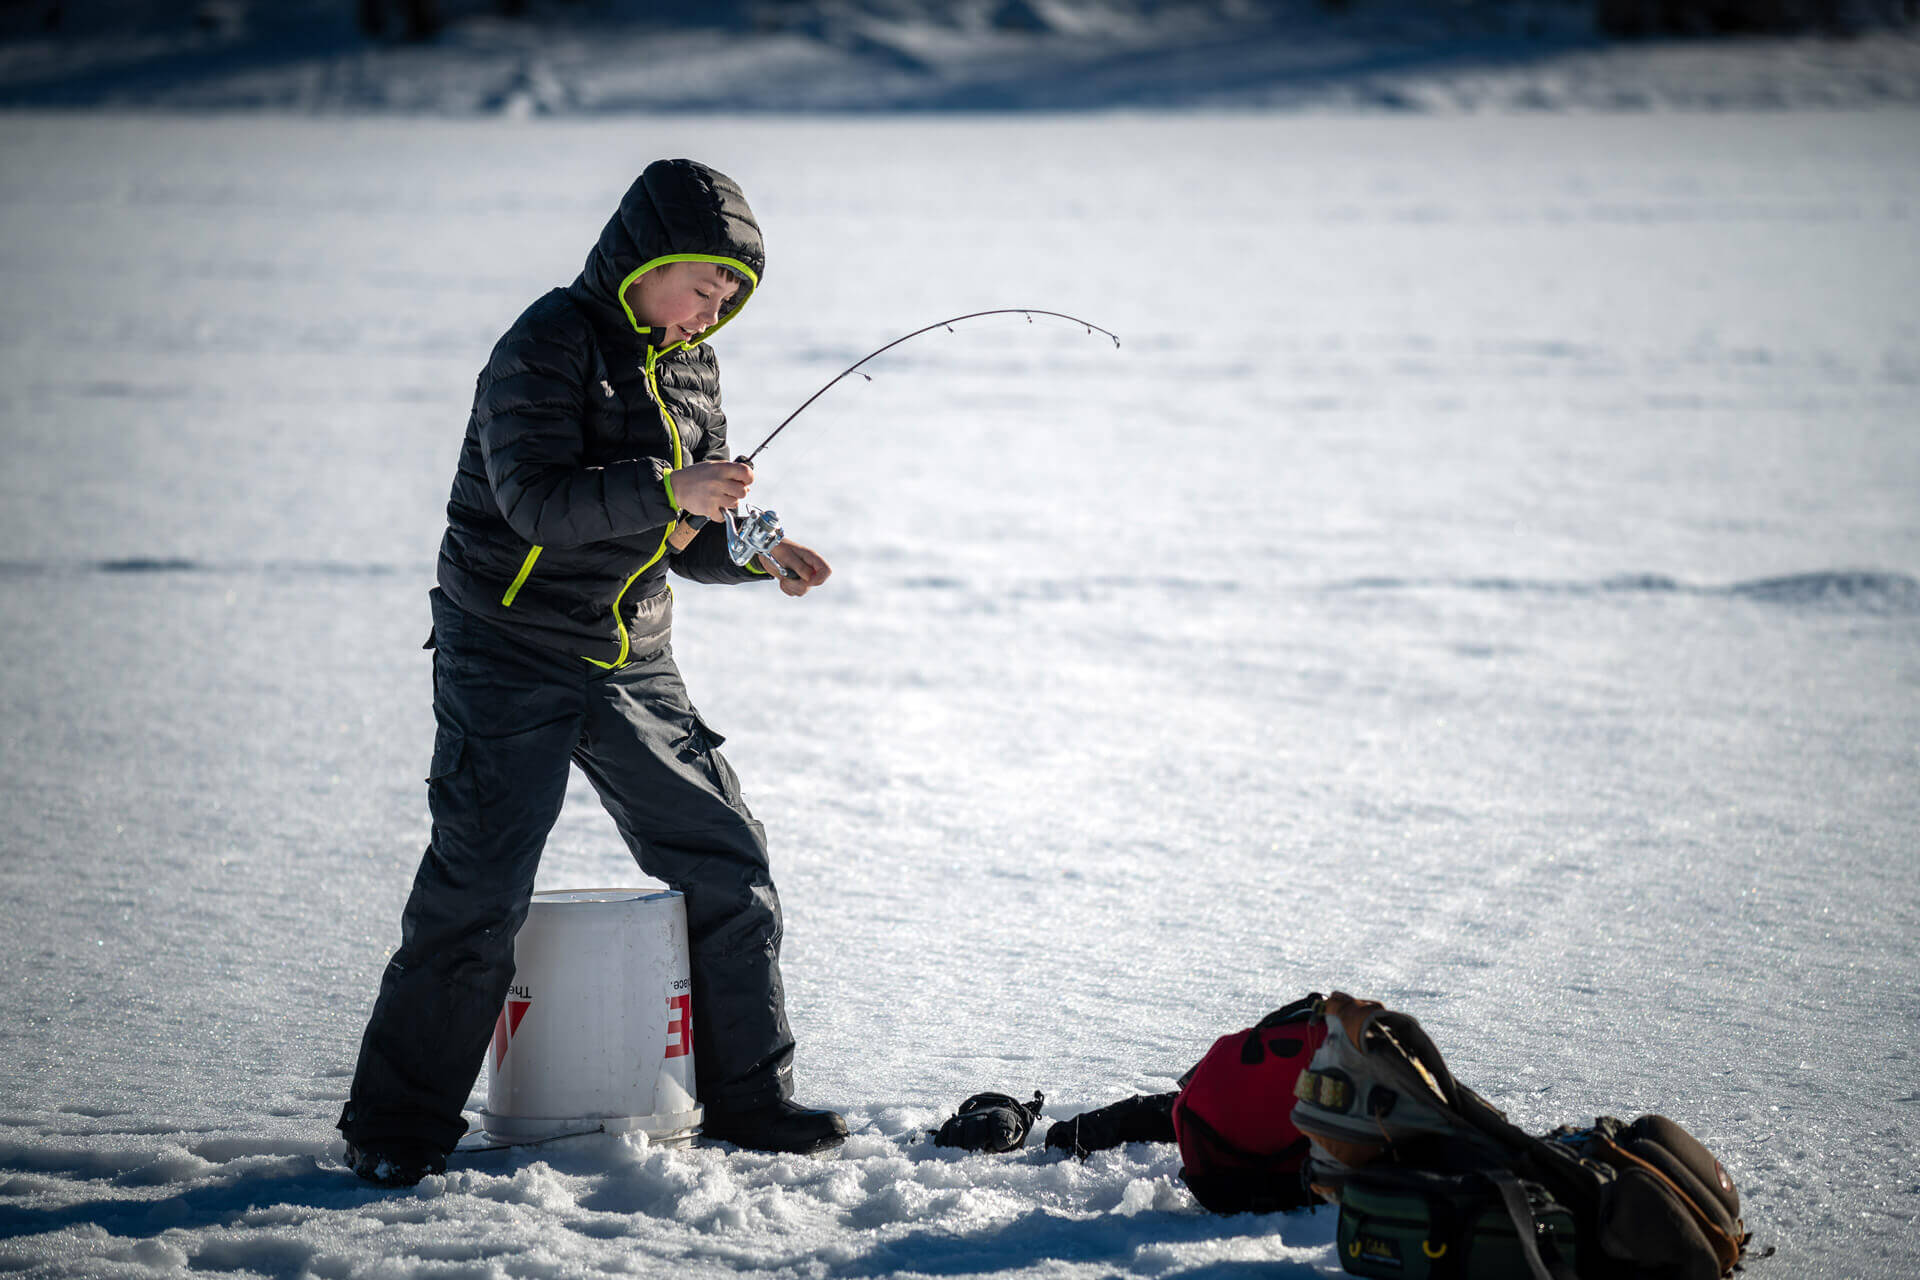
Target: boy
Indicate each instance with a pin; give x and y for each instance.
(596, 436)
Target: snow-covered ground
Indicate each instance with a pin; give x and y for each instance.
(1487, 579)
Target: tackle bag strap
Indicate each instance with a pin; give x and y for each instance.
(1514, 1196)
(1296, 1011)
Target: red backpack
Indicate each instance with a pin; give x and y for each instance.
(1234, 1117)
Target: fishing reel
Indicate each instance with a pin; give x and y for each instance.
(754, 532)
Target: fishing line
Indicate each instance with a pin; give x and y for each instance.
(1028, 312)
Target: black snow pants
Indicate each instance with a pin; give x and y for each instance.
(510, 718)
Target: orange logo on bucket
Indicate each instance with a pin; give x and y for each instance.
(505, 1026)
(679, 1026)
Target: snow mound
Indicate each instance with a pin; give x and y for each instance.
(887, 1201)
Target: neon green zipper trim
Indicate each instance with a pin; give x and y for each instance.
(753, 282)
(673, 434)
(526, 567)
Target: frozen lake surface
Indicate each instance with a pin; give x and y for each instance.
(1486, 580)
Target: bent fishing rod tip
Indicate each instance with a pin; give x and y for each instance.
(947, 324)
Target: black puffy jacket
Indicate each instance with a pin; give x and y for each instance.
(558, 524)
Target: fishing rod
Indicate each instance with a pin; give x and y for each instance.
(1028, 312)
(756, 532)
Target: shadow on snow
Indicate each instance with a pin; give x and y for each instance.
(1111, 1239)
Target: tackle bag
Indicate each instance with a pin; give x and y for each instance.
(1377, 1104)
(1239, 1149)
(1423, 1225)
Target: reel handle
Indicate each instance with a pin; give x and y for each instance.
(752, 532)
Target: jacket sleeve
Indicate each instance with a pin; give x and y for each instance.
(528, 411)
(705, 559)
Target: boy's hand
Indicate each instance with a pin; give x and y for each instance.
(808, 567)
(708, 488)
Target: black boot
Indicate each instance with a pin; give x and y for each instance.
(395, 1164)
(783, 1126)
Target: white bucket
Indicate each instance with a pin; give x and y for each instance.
(597, 1030)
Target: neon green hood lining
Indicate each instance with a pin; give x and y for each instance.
(732, 264)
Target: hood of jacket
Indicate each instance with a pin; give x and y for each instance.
(676, 211)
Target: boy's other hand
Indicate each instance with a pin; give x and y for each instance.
(808, 567)
(708, 488)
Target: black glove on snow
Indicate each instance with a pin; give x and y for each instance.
(989, 1122)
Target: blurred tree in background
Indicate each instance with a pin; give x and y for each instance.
(423, 19)
(1741, 17)
(418, 19)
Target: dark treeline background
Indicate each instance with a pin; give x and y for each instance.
(424, 19)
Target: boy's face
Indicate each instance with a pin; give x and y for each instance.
(683, 299)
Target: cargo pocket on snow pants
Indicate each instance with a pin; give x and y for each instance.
(449, 749)
(700, 750)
